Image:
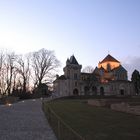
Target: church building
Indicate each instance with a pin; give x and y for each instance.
(109, 78)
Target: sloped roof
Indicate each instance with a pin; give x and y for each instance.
(73, 60)
(96, 70)
(109, 58)
(87, 74)
(120, 69)
(90, 76)
(62, 77)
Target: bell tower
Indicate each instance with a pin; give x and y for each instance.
(72, 72)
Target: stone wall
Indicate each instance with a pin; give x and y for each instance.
(125, 107)
(97, 102)
(117, 105)
(103, 102)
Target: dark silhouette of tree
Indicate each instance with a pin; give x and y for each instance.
(17, 72)
(11, 58)
(136, 81)
(90, 82)
(44, 63)
(2, 59)
(9, 67)
(23, 69)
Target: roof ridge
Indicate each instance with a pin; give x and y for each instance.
(109, 58)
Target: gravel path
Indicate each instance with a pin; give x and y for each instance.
(24, 121)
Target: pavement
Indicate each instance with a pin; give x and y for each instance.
(24, 120)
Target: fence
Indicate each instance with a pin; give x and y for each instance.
(60, 128)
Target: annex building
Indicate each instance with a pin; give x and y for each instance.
(108, 78)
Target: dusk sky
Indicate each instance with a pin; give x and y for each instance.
(89, 29)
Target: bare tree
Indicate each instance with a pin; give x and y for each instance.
(23, 69)
(90, 82)
(16, 71)
(44, 63)
(2, 60)
(9, 66)
(88, 69)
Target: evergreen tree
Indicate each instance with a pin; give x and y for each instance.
(136, 81)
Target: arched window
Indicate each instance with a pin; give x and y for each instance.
(75, 76)
(75, 91)
(94, 90)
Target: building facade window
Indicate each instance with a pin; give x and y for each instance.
(75, 76)
(68, 75)
(76, 84)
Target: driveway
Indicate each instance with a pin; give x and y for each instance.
(24, 121)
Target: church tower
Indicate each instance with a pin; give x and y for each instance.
(72, 72)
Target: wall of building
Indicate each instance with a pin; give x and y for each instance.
(74, 82)
(112, 65)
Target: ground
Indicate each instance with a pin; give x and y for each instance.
(98, 123)
(24, 121)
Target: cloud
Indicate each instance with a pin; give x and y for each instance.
(131, 64)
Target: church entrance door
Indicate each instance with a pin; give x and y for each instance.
(122, 91)
(101, 90)
(86, 90)
(94, 90)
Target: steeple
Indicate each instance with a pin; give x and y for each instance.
(72, 67)
(68, 62)
(73, 60)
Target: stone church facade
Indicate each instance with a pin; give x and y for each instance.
(109, 78)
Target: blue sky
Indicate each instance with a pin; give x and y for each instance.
(86, 28)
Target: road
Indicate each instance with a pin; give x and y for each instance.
(24, 120)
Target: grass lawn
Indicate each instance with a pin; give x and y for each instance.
(96, 123)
